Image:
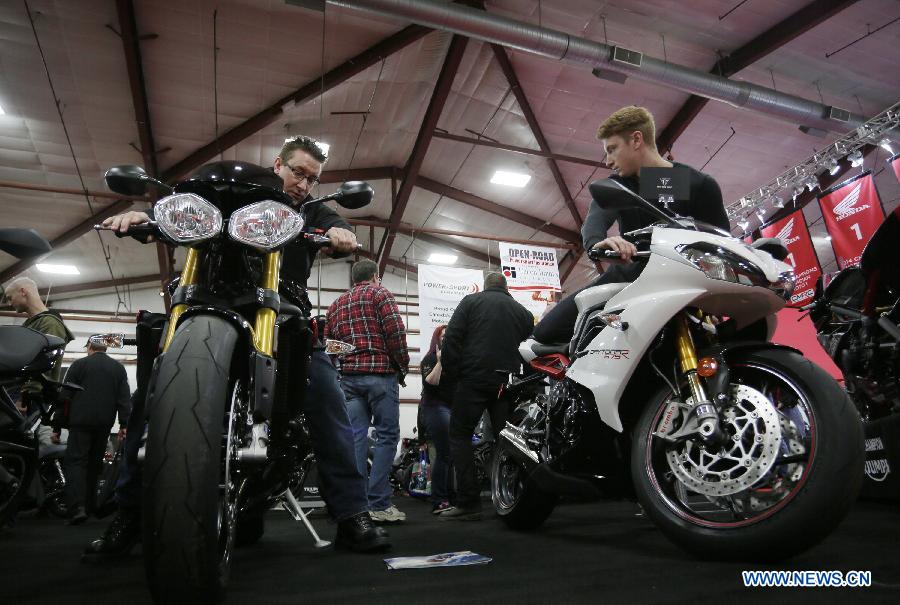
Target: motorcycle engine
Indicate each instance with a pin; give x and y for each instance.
(567, 414)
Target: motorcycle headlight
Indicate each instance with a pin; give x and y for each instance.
(718, 263)
(187, 218)
(265, 225)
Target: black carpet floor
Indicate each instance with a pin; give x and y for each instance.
(586, 553)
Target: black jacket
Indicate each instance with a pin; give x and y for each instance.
(105, 391)
(483, 336)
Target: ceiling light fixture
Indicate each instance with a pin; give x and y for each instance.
(886, 145)
(511, 179)
(833, 166)
(856, 158)
(442, 259)
(58, 269)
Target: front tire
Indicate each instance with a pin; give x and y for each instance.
(772, 512)
(187, 538)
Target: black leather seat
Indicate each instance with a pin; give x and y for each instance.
(20, 346)
(540, 349)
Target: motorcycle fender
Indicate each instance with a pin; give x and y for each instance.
(729, 348)
(611, 358)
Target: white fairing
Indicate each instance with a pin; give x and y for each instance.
(668, 284)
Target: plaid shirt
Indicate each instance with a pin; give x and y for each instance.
(367, 316)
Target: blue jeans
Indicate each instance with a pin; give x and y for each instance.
(375, 399)
(436, 419)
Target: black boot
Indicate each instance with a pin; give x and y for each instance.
(359, 534)
(123, 532)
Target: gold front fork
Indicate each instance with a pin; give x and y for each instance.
(188, 278)
(264, 329)
(687, 355)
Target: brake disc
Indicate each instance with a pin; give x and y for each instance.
(753, 427)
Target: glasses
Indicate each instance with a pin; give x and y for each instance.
(301, 176)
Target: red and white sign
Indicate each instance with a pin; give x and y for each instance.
(792, 230)
(852, 212)
(894, 161)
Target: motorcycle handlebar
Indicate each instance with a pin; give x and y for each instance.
(612, 255)
(144, 229)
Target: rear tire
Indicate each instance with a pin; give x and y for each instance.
(791, 510)
(183, 518)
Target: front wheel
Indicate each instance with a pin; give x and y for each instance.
(789, 469)
(188, 514)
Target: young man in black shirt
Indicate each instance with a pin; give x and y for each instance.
(629, 140)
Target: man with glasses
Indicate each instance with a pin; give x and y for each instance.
(299, 164)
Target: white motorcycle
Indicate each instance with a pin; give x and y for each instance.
(671, 391)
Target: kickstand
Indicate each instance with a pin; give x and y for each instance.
(293, 507)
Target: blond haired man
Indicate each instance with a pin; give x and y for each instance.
(629, 141)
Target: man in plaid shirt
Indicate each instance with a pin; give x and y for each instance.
(367, 316)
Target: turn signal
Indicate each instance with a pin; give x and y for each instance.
(707, 367)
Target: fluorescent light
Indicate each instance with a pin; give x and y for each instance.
(1, 110)
(827, 238)
(513, 179)
(61, 269)
(442, 259)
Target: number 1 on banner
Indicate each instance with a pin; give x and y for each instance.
(856, 230)
(790, 260)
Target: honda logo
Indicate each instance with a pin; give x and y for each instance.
(785, 233)
(847, 206)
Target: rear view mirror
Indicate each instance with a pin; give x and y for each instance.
(131, 180)
(355, 194)
(23, 243)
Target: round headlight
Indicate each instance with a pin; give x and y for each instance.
(265, 225)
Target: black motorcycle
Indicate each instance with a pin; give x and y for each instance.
(857, 318)
(25, 355)
(225, 436)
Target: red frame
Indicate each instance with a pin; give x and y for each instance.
(554, 365)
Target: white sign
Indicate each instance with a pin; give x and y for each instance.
(529, 267)
(440, 290)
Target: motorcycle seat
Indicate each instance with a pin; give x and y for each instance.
(19, 346)
(540, 349)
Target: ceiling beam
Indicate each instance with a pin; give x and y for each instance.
(411, 230)
(131, 45)
(573, 257)
(525, 106)
(314, 88)
(423, 139)
(70, 191)
(778, 35)
(379, 173)
(481, 203)
(99, 285)
(433, 240)
(69, 236)
(534, 152)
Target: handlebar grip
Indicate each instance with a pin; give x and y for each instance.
(133, 230)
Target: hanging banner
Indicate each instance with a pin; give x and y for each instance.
(792, 230)
(852, 212)
(440, 290)
(894, 161)
(529, 267)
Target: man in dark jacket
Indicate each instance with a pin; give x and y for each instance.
(91, 416)
(482, 337)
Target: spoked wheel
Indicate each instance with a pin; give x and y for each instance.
(787, 472)
(517, 500)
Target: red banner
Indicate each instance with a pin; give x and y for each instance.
(792, 230)
(894, 161)
(852, 212)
